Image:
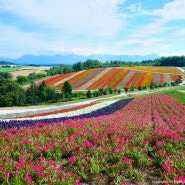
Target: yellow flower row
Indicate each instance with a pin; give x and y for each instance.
(171, 70)
(147, 79)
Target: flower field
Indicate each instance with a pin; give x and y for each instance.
(114, 77)
(127, 141)
(172, 70)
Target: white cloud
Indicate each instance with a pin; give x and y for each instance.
(94, 18)
(135, 8)
(157, 36)
(172, 11)
(89, 26)
(15, 41)
(180, 32)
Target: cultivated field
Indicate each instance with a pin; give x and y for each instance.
(25, 71)
(114, 77)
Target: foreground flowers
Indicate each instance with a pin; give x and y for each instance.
(145, 136)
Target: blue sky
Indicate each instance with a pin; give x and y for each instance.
(84, 27)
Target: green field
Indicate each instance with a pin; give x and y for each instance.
(11, 69)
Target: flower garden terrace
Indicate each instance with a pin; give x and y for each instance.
(141, 141)
(115, 77)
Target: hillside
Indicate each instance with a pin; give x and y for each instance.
(115, 77)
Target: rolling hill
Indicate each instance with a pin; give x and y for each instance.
(114, 77)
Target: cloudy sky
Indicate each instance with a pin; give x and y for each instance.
(92, 26)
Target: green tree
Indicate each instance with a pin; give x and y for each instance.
(89, 94)
(131, 88)
(11, 94)
(5, 75)
(152, 86)
(100, 91)
(67, 88)
(52, 95)
(126, 89)
(115, 90)
(32, 94)
(110, 90)
(105, 91)
(140, 88)
(22, 79)
(42, 92)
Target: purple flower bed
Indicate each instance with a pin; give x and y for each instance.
(100, 112)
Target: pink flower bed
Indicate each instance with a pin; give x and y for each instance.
(144, 137)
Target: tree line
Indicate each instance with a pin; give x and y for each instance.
(12, 94)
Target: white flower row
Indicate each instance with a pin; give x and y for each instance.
(70, 113)
(30, 111)
(181, 69)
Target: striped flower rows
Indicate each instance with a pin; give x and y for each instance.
(76, 79)
(95, 78)
(103, 79)
(64, 113)
(110, 78)
(154, 69)
(86, 79)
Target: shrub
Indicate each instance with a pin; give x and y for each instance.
(89, 94)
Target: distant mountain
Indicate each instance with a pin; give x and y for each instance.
(6, 63)
(73, 58)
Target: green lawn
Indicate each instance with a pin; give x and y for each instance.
(11, 69)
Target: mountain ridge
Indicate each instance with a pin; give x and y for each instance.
(73, 58)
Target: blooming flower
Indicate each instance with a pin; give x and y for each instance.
(19, 166)
(7, 175)
(29, 179)
(127, 159)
